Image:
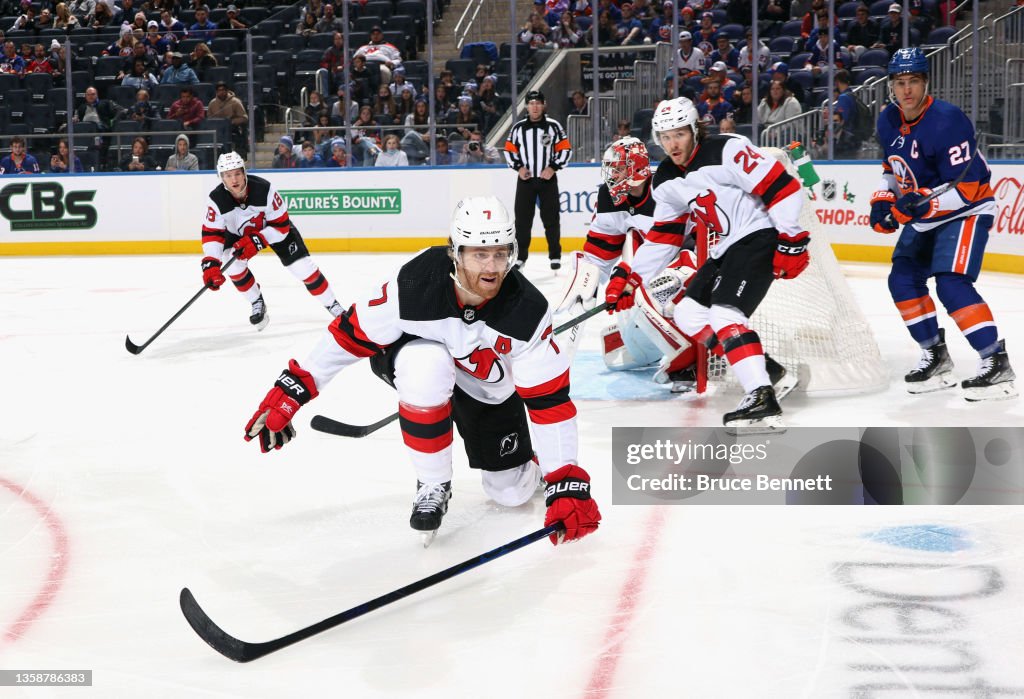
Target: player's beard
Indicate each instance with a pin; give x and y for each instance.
(477, 284)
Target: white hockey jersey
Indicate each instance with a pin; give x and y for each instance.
(727, 190)
(505, 345)
(263, 211)
(612, 223)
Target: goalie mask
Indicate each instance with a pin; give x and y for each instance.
(624, 165)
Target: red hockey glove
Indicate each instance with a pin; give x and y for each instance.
(568, 499)
(909, 207)
(881, 211)
(791, 256)
(212, 276)
(272, 423)
(250, 245)
(621, 284)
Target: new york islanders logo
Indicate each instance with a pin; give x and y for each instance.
(905, 178)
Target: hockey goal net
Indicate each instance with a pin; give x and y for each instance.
(811, 324)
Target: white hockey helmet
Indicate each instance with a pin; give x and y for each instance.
(675, 114)
(625, 164)
(229, 161)
(482, 221)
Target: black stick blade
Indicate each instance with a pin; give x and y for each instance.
(222, 642)
(321, 423)
(131, 346)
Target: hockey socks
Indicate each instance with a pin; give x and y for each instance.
(427, 432)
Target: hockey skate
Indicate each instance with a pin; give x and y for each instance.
(684, 380)
(259, 316)
(335, 309)
(934, 371)
(429, 508)
(556, 264)
(783, 381)
(994, 380)
(757, 413)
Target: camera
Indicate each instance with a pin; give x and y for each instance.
(474, 145)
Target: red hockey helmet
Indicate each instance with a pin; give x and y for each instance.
(625, 164)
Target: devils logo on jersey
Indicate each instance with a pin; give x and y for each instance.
(255, 224)
(482, 363)
(708, 217)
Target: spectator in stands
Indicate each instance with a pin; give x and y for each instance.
(365, 137)
(611, 7)
(384, 105)
(178, 73)
(232, 25)
(399, 82)
(139, 160)
(40, 62)
(661, 27)
(724, 52)
(442, 105)
(329, 22)
(628, 30)
(706, 37)
(443, 155)
(63, 18)
(11, 61)
(284, 159)
(83, 10)
(778, 105)
(691, 61)
(476, 152)
(764, 54)
(313, 7)
(607, 31)
(579, 103)
(643, 11)
(155, 43)
(103, 17)
(810, 18)
(363, 79)
(309, 158)
(322, 135)
(59, 161)
(181, 158)
(621, 130)
(378, 51)
(201, 60)
(392, 156)
(123, 46)
(446, 78)
(465, 118)
(143, 112)
(846, 112)
(535, 32)
(727, 124)
(712, 103)
(818, 60)
(19, 162)
(139, 77)
(344, 98)
(490, 107)
(922, 17)
(27, 20)
(774, 10)
(172, 29)
(780, 72)
(862, 33)
(138, 22)
(57, 58)
(566, 34)
(339, 158)
(890, 34)
(799, 8)
(405, 102)
(720, 73)
(307, 26)
(333, 60)
(203, 28)
(93, 109)
(743, 105)
(187, 108)
(225, 105)
(417, 127)
(314, 108)
(44, 20)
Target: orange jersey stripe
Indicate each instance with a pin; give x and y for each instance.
(562, 145)
(963, 246)
(969, 316)
(975, 191)
(914, 310)
(511, 147)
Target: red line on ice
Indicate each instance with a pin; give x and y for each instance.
(629, 597)
(58, 562)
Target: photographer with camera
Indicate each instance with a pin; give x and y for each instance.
(476, 152)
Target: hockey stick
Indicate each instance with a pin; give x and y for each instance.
(938, 191)
(136, 349)
(243, 652)
(324, 424)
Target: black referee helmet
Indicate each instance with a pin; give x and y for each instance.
(535, 95)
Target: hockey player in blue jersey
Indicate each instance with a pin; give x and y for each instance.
(929, 143)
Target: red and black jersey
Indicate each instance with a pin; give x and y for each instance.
(262, 211)
(728, 190)
(503, 346)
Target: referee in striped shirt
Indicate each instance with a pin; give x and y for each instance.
(537, 148)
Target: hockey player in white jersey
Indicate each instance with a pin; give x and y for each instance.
(463, 337)
(245, 213)
(646, 333)
(748, 206)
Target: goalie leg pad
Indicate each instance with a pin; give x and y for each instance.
(629, 348)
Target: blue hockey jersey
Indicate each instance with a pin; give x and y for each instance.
(933, 150)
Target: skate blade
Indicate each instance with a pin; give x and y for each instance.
(683, 387)
(786, 385)
(935, 383)
(767, 425)
(1000, 391)
(263, 323)
(427, 538)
